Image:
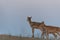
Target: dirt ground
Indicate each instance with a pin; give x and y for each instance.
(9, 37)
(29, 39)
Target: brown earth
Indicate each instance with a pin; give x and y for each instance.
(9, 37)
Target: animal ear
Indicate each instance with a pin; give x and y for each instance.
(30, 16)
(43, 22)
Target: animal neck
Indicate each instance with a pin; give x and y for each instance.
(30, 21)
(44, 25)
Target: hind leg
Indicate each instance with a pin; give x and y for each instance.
(58, 34)
(55, 36)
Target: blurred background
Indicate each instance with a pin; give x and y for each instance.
(13, 15)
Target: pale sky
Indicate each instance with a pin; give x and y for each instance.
(13, 15)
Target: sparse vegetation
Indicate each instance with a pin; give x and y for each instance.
(10, 37)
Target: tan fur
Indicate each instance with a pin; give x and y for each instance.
(50, 29)
(34, 25)
(44, 28)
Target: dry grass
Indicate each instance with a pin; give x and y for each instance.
(9, 37)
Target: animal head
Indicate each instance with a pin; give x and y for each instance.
(29, 18)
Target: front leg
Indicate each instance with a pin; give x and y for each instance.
(32, 32)
(42, 35)
(47, 36)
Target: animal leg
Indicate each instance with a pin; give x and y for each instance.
(42, 35)
(32, 32)
(58, 34)
(55, 36)
(47, 36)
